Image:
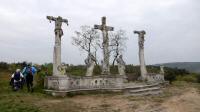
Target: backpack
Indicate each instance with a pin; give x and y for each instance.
(17, 76)
(28, 71)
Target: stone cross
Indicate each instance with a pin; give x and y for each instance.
(57, 47)
(141, 53)
(105, 44)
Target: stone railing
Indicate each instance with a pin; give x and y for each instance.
(73, 83)
(152, 77)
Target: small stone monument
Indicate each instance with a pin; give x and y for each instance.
(62, 69)
(105, 44)
(121, 65)
(57, 47)
(162, 71)
(141, 54)
(90, 62)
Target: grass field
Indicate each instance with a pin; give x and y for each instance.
(179, 97)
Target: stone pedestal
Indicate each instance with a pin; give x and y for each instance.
(57, 83)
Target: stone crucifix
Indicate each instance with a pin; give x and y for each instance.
(105, 44)
(57, 47)
(141, 53)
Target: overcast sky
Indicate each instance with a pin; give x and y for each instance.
(172, 27)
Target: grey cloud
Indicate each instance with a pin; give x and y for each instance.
(172, 28)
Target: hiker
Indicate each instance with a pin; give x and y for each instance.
(16, 80)
(28, 73)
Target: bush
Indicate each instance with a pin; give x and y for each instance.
(198, 78)
(187, 78)
(172, 74)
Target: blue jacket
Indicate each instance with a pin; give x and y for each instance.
(33, 70)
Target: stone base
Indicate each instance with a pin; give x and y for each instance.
(69, 83)
(56, 82)
(62, 85)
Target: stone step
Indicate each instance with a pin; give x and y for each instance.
(144, 90)
(134, 87)
(144, 93)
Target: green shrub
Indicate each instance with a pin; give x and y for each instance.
(198, 78)
(187, 78)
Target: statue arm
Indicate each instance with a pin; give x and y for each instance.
(65, 21)
(51, 18)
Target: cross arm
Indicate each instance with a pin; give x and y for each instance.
(140, 32)
(109, 28)
(65, 21)
(98, 27)
(51, 18)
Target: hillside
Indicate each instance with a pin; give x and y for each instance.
(190, 66)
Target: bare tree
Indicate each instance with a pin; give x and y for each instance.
(117, 45)
(86, 39)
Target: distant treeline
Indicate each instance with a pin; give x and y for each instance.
(193, 67)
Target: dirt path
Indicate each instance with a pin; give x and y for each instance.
(105, 103)
(187, 102)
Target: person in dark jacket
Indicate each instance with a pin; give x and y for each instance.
(28, 72)
(16, 80)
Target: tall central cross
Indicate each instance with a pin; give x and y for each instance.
(105, 44)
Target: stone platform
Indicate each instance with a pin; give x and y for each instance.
(77, 83)
(61, 85)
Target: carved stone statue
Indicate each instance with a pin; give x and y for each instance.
(58, 23)
(62, 68)
(90, 62)
(57, 47)
(162, 71)
(121, 65)
(141, 54)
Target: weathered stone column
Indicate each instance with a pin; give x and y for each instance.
(57, 47)
(143, 69)
(106, 53)
(57, 55)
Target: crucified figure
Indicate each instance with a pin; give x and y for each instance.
(58, 23)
